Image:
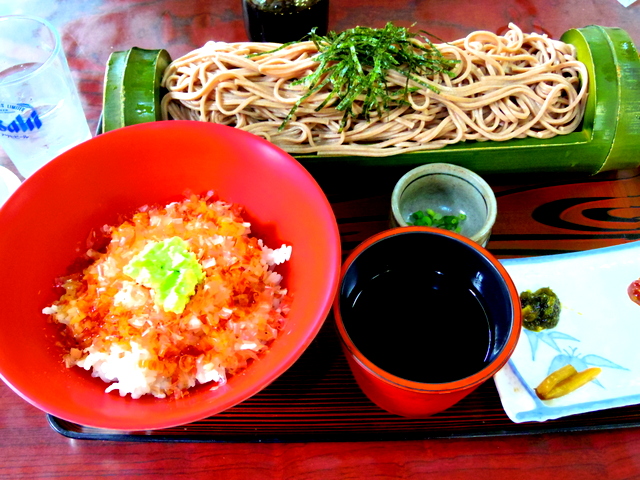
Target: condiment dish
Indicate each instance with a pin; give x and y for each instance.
(598, 327)
(450, 191)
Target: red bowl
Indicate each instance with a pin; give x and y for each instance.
(419, 359)
(46, 222)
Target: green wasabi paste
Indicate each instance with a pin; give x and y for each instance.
(540, 309)
(170, 269)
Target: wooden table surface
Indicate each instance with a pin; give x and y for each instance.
(91, 30)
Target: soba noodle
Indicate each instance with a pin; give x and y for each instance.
(512, 86)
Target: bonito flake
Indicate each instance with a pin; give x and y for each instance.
(138, 336)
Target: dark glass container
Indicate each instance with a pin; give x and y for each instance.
(283, 21)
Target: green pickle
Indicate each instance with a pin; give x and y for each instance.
(540, 310)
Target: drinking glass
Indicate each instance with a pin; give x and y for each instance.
(41, 114)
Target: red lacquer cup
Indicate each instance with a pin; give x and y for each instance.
(420, 360)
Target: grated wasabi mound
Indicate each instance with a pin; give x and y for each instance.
(170, 270)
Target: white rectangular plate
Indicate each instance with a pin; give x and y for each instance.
(599, 327)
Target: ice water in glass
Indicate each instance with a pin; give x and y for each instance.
(41, 114)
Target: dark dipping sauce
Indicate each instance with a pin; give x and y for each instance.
(284, 21)
(419, 327)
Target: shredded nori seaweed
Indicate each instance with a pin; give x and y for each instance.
(355, 63)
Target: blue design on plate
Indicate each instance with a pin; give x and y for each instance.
(547, 336)
(581, 363)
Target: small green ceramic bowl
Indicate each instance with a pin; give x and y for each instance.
(447, 190)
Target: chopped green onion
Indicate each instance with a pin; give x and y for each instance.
(430, 218)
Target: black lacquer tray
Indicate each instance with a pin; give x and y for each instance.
(317, 399)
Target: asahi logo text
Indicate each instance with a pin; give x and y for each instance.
(20, 123)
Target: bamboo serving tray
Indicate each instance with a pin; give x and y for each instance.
(606, 140)
(609, 133)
